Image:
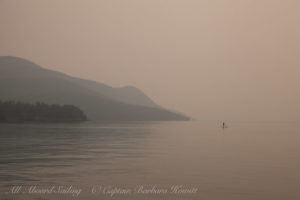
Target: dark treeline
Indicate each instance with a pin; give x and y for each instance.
(11, 111)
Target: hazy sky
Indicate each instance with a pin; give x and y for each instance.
(212, 59)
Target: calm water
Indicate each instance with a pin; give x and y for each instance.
(125, 161)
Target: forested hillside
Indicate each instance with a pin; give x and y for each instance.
(11, 111)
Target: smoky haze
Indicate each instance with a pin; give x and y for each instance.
(211, 59)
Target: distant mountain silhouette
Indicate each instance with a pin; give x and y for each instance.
(23, 80)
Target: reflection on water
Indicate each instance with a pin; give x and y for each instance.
(245, 161)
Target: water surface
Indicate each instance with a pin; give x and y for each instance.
(248, 160)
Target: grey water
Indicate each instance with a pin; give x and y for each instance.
(150, 160)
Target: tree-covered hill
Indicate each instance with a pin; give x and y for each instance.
(22, 80)
(11, 111)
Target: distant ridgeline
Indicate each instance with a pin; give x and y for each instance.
(11, 111)
(23, 80)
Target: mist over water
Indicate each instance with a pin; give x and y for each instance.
(248, 160)
(229, 60)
